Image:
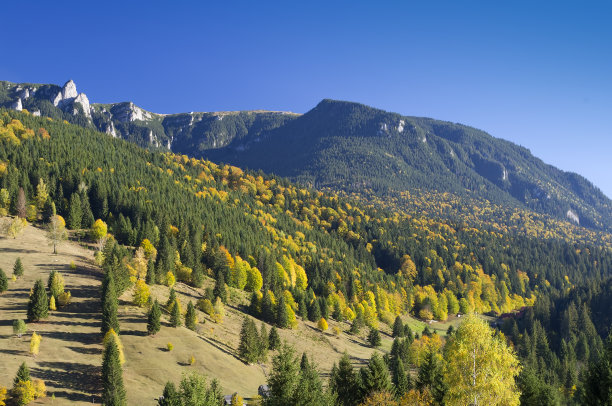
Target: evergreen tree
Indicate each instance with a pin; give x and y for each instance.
(18, 268)
(274, 341)
(282, 316)
(401, 380)
(309, 389)
(357, 324)
(283, 378)
(375, 377)
(430, 376)
(220, 290)
(314, 311)
(153, 319)
(3, 281)
(598, 380)
(344, 382)
(398, 327)
(87, 218)
(191, 317)
(109, 305)
(264, 343)
(150, 278)
(171, 298)
(175, 314)
(302, 308)
(75, 216)
(170, 396)
(374, 338)
(23, 374)
(248, 349)
(197, 278)
(38, 306)
(113, 393)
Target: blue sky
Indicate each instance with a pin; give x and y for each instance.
(535, 73)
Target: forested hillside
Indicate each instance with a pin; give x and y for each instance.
(303, 254)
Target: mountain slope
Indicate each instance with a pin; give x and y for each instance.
(355, 147)
(342, 145)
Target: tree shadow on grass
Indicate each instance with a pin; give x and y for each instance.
(87, 350)
(84, 338)
(12, 352)
(220, 346)
(74, 376)
(17, 250)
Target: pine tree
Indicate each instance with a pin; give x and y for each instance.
(150, 278)
(3, 281)
(38, 306)
(263, 344)
(171, 298)
(175, 314)
(55, 284)
(18, 268)
(430, 376)
(113, 393)
(153, 319)
(87, 218)
(191, 318)
(283, 378)
(23, 374)
(401, 380)
(248, 349)
(282, 316)
(109, 304)
(220, 291)
(344, 382)
(374, 338)
(75, 215)
(398, 327)
(314, 311)
(170, 396)
(309, 389)
(598, 381)
(274, 341)
(375, 377)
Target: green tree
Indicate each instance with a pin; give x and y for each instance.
(309, 389)
(598, 381)
(175, 314)
(344, 383)
(375, 377)
(113, 392)
(374, 338)
(19, 327)
(430, 376)
(170, 396)
(109, 304)
(401, 380)
(38, 306)
(191, 317)
(220, 290)
(23, 374)
(480, 367)
(75, 216)
(171, 298)
(263, 344)
(3, 281)
(398, 327)
(153, 319)
(282, 315)
(248, 349)
(18, 268)
(55, 284)
(274, 341)
(283, 378)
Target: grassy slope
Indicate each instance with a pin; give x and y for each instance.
(70, 353)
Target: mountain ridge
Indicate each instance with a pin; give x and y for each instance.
(342, 145)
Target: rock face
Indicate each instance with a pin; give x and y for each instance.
(82, 99)
(17, 105)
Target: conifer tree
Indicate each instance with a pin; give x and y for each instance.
(55, 284)
(109, 305)
(170, 396)
(283, 378)
(282, 316)
(75, 216)
(430, 376)
(175, 314)
(263, 344)
(401, 380)
(309, 389)
(38, 306)
(3, 281)
(314, 311)
(375, 377)
(344, 382)
(274, 341)
(374, 338)
(398, 327)
(150, 278)
(220, 290)
(171, 298)
(52, 305)
(87, 218)
(113, 393)
(23, 374)
(191, 317)
(598, 380)
(248, 349)
(153, 319)
(18, 268)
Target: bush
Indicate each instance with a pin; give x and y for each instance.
(19, 327)
(72, 265)
(170, 346)
(64, 298)
(206, 306)
(322, 324)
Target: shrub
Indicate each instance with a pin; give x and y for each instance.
(72, 265)
(64, 298)
(170, 346)
(19, 327)
(322, 324)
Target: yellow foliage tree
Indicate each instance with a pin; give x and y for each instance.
(35, 343)
(480, 368)
(141, 293)
(2, 396)
(111, 335)
(322, 324)
(98, 231)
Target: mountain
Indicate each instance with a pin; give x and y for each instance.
(341, 145)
